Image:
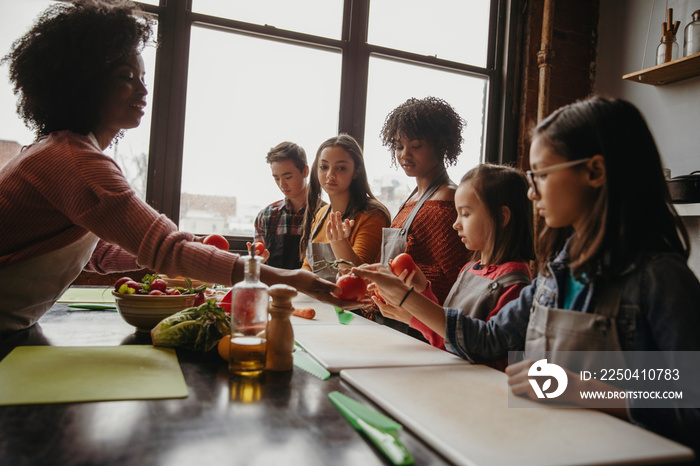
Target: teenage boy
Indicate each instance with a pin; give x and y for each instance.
(278, 225)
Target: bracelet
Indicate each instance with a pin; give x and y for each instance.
(406, 296)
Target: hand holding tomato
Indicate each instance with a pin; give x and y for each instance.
(217, 241)
(353, 287)
(406, 269)
(391, 288)
(259, 248)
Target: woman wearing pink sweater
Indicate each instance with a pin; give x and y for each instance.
(64, 205)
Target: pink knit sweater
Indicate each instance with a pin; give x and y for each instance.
(61, 187)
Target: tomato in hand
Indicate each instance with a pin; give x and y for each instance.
(402, 262)
(353, 287)
(217, 241)
(259, 248)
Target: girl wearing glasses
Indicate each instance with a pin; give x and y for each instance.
(613, 275)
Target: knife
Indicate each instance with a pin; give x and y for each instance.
(306, 362)
(343, 316)
(381, 430)
(97, 307)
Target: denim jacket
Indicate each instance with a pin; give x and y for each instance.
(659, 311)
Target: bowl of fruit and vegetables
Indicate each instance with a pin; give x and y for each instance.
(144, 304)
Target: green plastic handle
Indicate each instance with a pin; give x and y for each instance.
(344, 317)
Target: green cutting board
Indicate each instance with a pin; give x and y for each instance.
(76, 294)
(69, 374)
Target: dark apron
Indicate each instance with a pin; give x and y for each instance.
(318, 253)
(288, 257)
(394, 240)
(555, 330)
(476, 296)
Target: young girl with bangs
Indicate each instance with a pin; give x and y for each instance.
(350, 226)
(494, 220)
(613, 256)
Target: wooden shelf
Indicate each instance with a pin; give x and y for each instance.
(667, 73)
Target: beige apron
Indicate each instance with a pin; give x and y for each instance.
(318, 253)
(31, 287)
(394, 239)
(567, 334)
(476, 296)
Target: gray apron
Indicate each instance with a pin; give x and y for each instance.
(318, 253)
(555, 330)
(31, 287)
(476, 296)
(394, 239)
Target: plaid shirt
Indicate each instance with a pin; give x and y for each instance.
(279, 228)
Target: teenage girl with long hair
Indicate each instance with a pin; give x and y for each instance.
(350, 226)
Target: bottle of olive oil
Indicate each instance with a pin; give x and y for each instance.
(249, 305)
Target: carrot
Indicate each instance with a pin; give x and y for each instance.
(306, 312)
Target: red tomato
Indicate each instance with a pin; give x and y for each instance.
(120, 282)
(354, 288)
(217, 241)
(402, 262)
(259, 248)
(226, 301)
(159, 285)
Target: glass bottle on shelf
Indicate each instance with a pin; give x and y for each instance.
(668, 49)
(691, 36)
(663, 54)
(249, 303)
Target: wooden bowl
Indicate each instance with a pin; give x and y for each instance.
(145, 311)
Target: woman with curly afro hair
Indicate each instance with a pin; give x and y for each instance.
(64, 205)
(424, 137)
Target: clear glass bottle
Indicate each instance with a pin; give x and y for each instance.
(691, 35)
(249, 304)
(667, 41)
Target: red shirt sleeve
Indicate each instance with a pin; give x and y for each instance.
(433, 338)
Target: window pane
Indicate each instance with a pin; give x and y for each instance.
(262, 93)
(465, 94)
(317, 17)
(454, 30)
(15, 20)
(131, 151)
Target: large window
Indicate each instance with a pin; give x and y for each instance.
(129, 151)
(231, 79)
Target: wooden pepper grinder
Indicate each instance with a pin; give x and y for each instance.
(280, 335)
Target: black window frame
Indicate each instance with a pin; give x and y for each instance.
(175, 20)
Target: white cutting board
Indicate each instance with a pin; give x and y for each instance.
(462, 412)
(325, 313)
(339, 347)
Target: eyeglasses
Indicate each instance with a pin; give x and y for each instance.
(532, 174)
